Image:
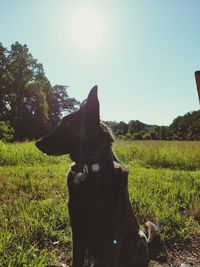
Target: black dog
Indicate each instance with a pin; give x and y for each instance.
(102, 220)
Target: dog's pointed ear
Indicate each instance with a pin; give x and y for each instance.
(93, 104)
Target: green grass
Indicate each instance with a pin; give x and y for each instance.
(178, 155)
(164, 186)
(34, 220)
(26, 154)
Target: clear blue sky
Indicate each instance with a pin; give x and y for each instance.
(141, 53)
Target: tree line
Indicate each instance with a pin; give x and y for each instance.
(186, 127)
(30, 106)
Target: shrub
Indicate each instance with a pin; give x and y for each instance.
(128, 136)
(6, 131)
(138, 136)
(147, 136)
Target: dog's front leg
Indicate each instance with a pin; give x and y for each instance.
(78, 249)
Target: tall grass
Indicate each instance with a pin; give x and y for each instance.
(164, 186)
(26, 154)
(34, 225)
(181, 155)
(168, 197)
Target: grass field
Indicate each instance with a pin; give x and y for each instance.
(164, 186)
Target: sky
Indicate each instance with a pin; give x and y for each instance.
(142, 54)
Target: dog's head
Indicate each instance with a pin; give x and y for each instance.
(78, 132)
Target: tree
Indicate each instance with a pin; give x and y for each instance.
(139, 135)
(179, 127)
(163, 133)
(186, 127)
(28, 101)
(118, 128)
(147, 136)
(4, 81)
(135, 127)
(153, 134)
(22, 89)
(193, 132)
(60, 104)
(123, 127)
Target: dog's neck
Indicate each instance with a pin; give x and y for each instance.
(101, 155)
(103, 161)
(95, 149)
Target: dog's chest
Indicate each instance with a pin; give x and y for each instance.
(94, 195)
(89, 188)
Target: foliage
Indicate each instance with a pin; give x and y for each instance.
(34, 227)
(135, 127)
(185, 127)
(139, 135)
(147, 136)
(118, 128)
(6, 131)
(27, 99)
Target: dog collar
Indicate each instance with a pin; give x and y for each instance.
(81, 175)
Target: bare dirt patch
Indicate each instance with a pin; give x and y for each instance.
(185, 254)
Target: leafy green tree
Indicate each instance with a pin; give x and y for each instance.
(123, 126)
(178, 128)
(27, 99)
(135, 127)
(139, 135)
(119, 132)
(60, 104)
(118, 128)
(5, 79)
(186, 127)
(153, 134)
(147, 136)
(128, 136)
(164, 133)
(193, 132)
(22, 89)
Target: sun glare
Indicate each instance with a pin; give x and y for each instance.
(87, 28)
